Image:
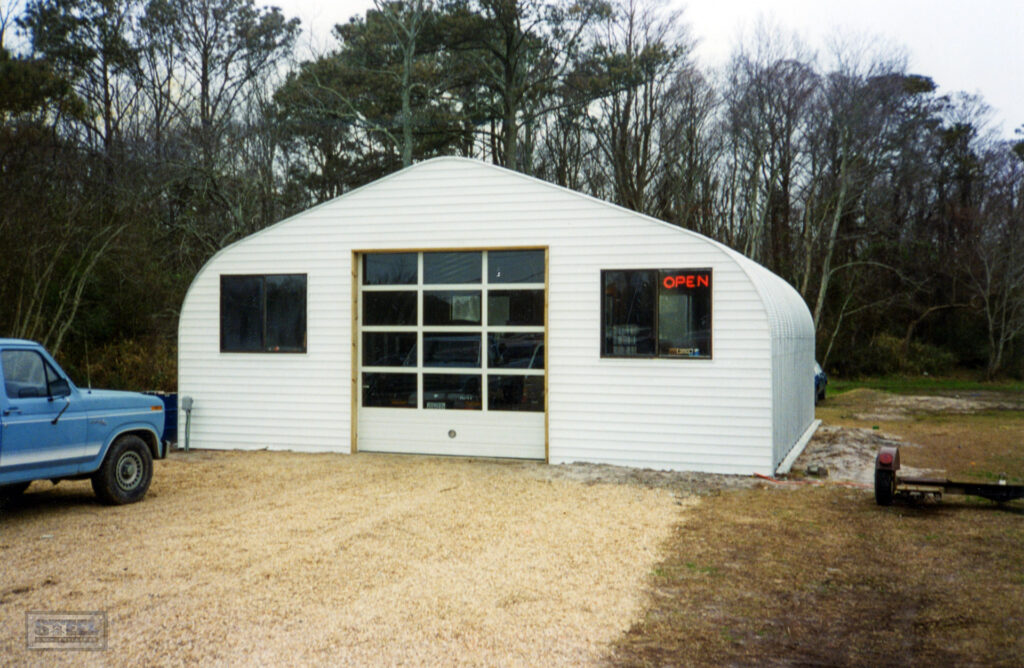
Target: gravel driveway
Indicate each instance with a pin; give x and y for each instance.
(292, 559)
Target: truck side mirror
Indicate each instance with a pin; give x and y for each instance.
(59, 388)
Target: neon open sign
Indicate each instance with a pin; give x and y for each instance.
(673, 281)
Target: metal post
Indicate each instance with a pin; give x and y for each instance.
(186, 403)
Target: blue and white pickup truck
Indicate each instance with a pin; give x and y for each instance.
(52, 430)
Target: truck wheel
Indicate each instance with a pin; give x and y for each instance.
(885, 487)
(126, 472)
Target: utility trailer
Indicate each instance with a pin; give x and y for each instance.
(889, 484)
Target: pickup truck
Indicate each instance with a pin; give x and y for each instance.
(52, 430)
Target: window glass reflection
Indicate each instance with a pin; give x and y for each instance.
(452, 391)
(389, 348)
(451, 307)
(515, 351)
(627, 312)
(515, 307)
(461, 267)
(389, 390)
(461, 350)
(389, 308)
(522, 266)
(515, 393)
(389, 269)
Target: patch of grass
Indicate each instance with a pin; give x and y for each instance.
(980, 445)
(928, 585)
(820, 575)
(923, 385)
(964, 445)
(702, 570)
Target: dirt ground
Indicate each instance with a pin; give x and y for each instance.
(877, 406)
(845, 454)
(291, 559)
(971, 435)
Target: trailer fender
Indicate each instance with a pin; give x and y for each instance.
(888, 458)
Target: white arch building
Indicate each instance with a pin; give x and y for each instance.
(459, 308)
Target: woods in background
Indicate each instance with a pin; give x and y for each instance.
(137, 138)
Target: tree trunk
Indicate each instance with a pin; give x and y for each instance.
(826, 265)
(510, 136)
(407, 62)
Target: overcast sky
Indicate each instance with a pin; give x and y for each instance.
(975, 46)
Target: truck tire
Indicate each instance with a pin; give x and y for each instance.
(126, 472)
(885, 487)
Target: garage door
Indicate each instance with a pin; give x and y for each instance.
(451, 353)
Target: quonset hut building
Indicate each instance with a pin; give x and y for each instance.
(459, 308)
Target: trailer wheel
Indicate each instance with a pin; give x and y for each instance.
(885, 487)
(126, 472)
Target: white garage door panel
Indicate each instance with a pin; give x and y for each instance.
(477, 434)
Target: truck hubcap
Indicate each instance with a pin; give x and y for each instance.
(129, 471)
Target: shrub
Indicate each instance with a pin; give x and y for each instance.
(887, 356)
(129, 364)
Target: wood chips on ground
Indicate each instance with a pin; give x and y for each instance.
(292, 559)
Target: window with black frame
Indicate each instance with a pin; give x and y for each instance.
(263, 313)
(453, 330)
(656, 313)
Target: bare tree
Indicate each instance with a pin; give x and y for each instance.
(998, 275)
(771, 90)
(513, 55)
(688, 185)
(406, 21)
(643, 53)
(857, 117)
(92, 45)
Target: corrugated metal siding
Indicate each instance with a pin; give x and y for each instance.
(792, 359)
(718, 415)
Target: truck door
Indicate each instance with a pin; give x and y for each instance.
(40, 430)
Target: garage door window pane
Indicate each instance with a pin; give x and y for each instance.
(459, 350)
(451, 307)
(389, 308)
(451, 391)
(389, 349)
(515, 307)
(515, 351)
(452, 267)
(515, 393)
(286, 313)
(389, 390)
(241, 313)
(627, 313)
(526, 266)
(389, 269)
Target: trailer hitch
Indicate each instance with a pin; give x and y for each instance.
(889, 484)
